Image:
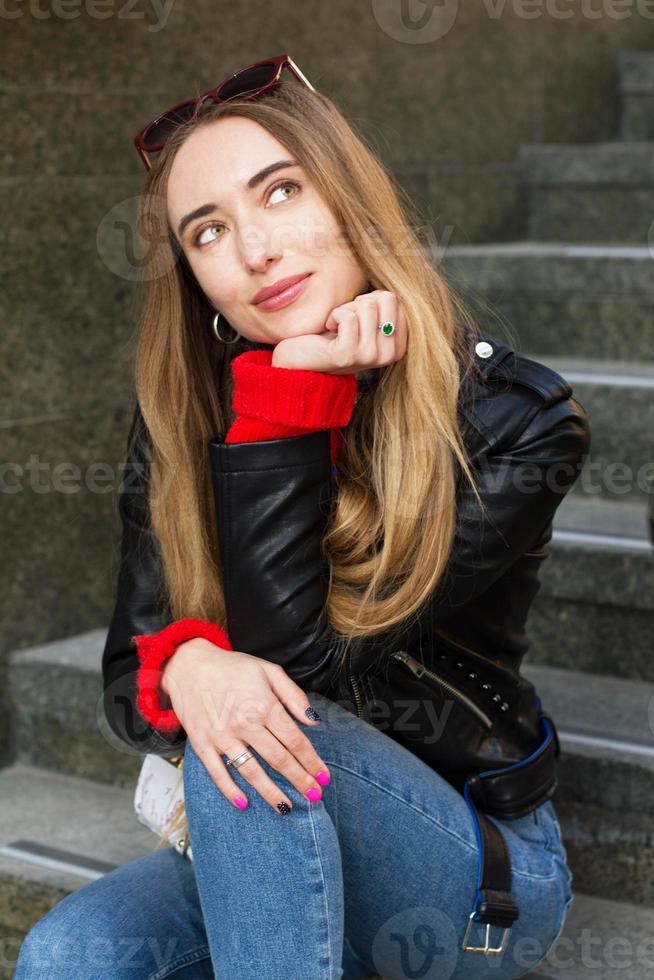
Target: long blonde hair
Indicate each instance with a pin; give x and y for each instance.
(392, 527)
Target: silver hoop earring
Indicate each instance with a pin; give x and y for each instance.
(216, 320)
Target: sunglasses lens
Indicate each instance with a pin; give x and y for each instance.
(244, 82)
(248, 80)
(165, 126)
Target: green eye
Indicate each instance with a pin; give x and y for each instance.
(202, 231)
(285, 183)
(278, 186)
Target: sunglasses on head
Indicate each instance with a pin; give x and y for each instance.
(247, 84)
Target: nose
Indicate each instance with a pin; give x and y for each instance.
(260, 247)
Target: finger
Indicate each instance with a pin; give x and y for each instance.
(252, 771)
(367, 354)
(304, 767)
(336, 315)
(211, 759)
(291, 695)
(388, 346)
(293, 701)
(346, 340)
(283, 754)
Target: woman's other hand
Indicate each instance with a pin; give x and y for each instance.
(351, 341)
(228, 701)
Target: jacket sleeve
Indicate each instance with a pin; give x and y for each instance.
(272, 497)
(271, 403)
(272, 501)
(140, 607)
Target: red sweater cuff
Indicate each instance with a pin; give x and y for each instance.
(153, 650)
(291, 397)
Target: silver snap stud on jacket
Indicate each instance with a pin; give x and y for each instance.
(483, 349)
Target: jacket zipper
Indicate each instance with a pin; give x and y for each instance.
(356, 691)
(355, 687)
(419, 670)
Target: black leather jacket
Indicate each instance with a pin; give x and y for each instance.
(526, 437)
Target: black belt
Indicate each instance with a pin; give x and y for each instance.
(506, 793)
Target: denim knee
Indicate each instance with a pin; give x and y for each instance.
(61, 945)
(37, 953)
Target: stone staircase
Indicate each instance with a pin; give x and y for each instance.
(578, 294)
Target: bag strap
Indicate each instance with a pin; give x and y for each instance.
(494, 904)
(517, 789)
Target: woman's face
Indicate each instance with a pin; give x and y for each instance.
(249, 237)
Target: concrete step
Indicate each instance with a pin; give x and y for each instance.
(594, 609)
(591, 707)
(562, 299)
(601, 940)
(605, 797)
(57, 833)
(589, 192)
(636, 82)
(55, 693)
(619, 399)
(619, 523)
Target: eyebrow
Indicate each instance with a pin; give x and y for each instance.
(253, 182)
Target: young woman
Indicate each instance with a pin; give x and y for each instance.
(337, 498)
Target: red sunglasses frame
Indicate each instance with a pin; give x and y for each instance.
(279, 61)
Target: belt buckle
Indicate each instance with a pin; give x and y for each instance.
(486, 948)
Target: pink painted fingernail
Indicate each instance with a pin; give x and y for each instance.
(323, 778)
(241, 802)
(314, 794)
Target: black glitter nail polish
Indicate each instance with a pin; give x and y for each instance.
(283, 807)
(312, 714)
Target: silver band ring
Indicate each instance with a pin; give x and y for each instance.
(387, 328)
(240, 759)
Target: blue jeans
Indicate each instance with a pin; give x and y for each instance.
(379, 876)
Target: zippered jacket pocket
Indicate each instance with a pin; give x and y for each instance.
(435, 718)
(433, 679)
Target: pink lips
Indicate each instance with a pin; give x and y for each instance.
(285, 296)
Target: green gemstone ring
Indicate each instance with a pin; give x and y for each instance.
(387, 328)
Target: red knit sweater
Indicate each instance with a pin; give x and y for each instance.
(277, 402)
(270, 403)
